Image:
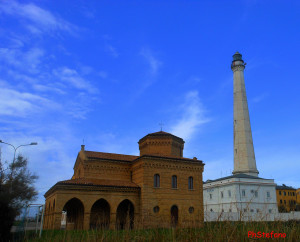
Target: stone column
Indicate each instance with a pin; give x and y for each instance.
(244, 157)
(86, 221)
(56, 220)
(112, 224)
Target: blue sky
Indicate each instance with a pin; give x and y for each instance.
(109, 72)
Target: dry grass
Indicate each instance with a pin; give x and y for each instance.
(211, 231)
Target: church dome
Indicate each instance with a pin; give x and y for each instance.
(161, 143)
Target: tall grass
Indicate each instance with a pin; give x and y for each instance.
(211, 231)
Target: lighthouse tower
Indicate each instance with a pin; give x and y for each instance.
(242, 196)
(244, 157)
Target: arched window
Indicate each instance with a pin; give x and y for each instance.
(174, 181)
(191, 183)
(156, 180)
(156, 209)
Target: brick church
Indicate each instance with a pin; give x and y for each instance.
(159, 188)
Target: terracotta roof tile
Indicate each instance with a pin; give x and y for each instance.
(99, 182)
(161, 134)
(110, 156)
(171, 157)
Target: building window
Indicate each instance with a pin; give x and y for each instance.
(191, 209)
(284, 193)
(245, 210)
(288, 193)
(243, 193)
(280, 201)
(257, 210)
(191, 183)
(156, 180)
(230, 210)
(256, 193)
(210, 196)
(293, 193)
(222, 210)
(270, 210)
(222, 195)
(251, 210)
(284, 202)
(268, 194)
(156, 209)
(229, 193)
(279, 192)
(174, 181)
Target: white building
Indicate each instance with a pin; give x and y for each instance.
(244, 195)
(240, 197)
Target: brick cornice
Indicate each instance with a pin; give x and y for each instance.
(82, 187)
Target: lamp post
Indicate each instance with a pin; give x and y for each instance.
(15, 150)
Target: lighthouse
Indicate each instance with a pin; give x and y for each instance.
(244, 157)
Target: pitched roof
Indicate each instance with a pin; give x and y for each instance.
(109, 156)
(98, 182)
(161, 134)
(284, 187)
(168, 157)
(241, 175)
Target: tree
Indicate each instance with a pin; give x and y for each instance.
(16, 190)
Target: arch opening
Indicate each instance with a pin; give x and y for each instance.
(174, 216)
(74, 212)
(100, 215)
(125, 215)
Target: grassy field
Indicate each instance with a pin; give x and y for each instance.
(213, 231)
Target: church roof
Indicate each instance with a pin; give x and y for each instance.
(241, 175)
(131, 158)
(168, 157)
(98, 182)
(161, 134)
(284, 187)
(109, 156)
(93, 183)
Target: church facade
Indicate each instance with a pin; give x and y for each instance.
(159, 188)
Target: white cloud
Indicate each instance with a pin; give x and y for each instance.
(154, 63)
(26, 60)
(259, 98)
(72, 77)
(112, 51)
(102, 74)
(15, 103)
(40, 19)
(193, 116)
(46, 88)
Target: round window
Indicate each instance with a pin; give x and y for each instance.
(156, 209)
(191, 209)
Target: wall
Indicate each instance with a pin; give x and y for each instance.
(234, 216)
(165, 196)
(238, 203)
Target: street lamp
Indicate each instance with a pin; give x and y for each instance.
(15, 148)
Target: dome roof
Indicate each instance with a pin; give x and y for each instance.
(163, 135)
